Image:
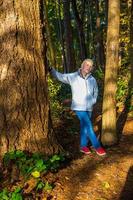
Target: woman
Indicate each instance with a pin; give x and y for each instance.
(84, 95)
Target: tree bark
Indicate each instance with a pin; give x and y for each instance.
(109, 135)
(51, 49)
(131, 55)
(80, 30)
(100, 58)
(70, 59)
(61, 38)
(131, 39)
(24, 109)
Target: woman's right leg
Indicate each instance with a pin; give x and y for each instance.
(83, 129)
(86, 130)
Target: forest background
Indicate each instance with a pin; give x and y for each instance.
(34, 109)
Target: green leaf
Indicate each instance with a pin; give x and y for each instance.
(36, 156)
(17, 190)
(39, 163)
(16, 196)
(55, 158)
(30, 169)
(40, 185)
(19, 154)
(48, 186)
(4, 195)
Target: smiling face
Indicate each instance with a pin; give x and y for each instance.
(86, 67)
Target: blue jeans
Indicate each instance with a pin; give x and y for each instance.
(86, 129)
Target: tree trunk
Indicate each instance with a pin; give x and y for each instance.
(131, 55)
(106, 11)
(61, 38)
(24, 109)
(131, 41)
(51, 49)
(80, 30)
(99, 39)
(109, 135)
(90, 31)
(70, 60)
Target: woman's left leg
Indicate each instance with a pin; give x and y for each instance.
(90, 132)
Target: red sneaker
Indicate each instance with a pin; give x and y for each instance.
(85, 150)
(100, 151)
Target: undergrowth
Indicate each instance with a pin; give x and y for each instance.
(32, 170)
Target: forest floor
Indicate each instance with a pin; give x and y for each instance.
(92, 177)
(87, 177)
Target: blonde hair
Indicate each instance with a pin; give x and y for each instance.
(87, 60)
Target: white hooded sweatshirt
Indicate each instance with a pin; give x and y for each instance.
(84, 90)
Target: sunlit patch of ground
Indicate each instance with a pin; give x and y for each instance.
(90, 177)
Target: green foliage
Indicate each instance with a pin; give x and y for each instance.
(30, 165)
(124, 92)
(122, 89)
(15, 195)
(4, 195)
(57, 93)
(33, 164)
(48, 186)
(44, 186)
(99, 74)
(124, 35)
(54, 87)
(40, 185)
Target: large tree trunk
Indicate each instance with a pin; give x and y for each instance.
(70, 59)
(24, 109)
(109, 135)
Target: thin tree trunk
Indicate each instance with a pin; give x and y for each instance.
(99, 40)
(70, 60)
(51, 49)
(62, 39)
(24, 109)
(80, 31)
(109, 135)
(131, 55)
(131, 38)
(106, 11)
(91, 41)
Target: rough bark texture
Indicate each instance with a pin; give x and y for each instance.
(24, 109)
(109, 135)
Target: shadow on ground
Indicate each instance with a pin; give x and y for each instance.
(127, 192)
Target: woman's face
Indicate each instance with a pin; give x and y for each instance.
(86, 69)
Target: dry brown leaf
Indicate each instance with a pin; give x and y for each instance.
(30, 185)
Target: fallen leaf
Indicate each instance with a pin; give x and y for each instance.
(106, 185)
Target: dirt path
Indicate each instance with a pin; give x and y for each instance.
(91, 177)
(86, 177)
